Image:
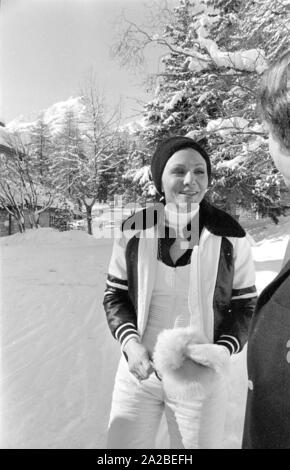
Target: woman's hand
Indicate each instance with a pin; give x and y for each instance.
(138, 359)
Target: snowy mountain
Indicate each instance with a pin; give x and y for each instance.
(53, 117)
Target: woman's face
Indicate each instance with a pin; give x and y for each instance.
(280, 157)
(185, 179)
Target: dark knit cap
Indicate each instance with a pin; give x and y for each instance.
(166, 149)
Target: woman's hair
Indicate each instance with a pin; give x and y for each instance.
(274, 99)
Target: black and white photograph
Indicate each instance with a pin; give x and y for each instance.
(144, 227)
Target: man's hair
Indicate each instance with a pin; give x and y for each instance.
(274, 99)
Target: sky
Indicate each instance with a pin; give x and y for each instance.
(48, 48)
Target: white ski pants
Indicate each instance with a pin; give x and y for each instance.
(137, 409)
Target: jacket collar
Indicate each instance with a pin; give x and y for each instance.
(219, 222)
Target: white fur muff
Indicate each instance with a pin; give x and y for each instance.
(189, 369)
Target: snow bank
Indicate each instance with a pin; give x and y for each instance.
(48, 236)
(58, 356)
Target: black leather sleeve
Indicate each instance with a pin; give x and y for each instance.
(235, 325)
(120, 312)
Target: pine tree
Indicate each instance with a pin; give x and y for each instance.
(41, 148)
(87, 153)
(67, 156)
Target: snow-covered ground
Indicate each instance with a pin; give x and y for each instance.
(58, 357)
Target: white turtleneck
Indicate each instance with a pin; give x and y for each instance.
(177, 217)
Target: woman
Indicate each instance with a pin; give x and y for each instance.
(267, 422)
(184, 269)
